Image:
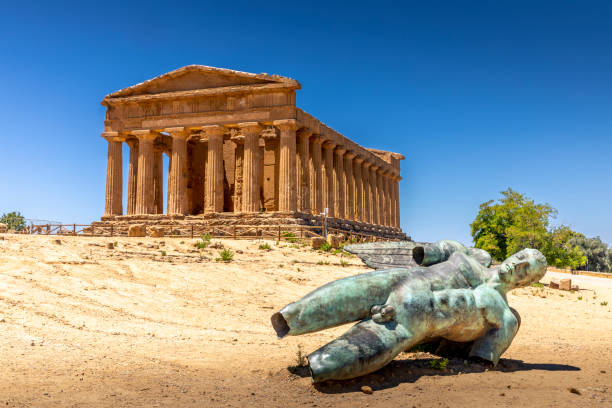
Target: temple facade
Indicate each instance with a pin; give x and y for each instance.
(237, 144)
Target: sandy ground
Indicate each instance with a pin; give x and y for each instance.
(156, 322)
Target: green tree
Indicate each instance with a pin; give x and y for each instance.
(516, 222)
(513, 223)
(599, 256)
(560, 250)
(14, 220)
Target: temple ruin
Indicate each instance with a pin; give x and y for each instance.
(240, 151)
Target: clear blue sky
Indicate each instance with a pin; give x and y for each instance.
(478, 96)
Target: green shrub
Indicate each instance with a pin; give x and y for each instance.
(604, 303)
(13, 220)
(325, 247)
(537, 285)
(226, 255)
(343, 263)
(439, 364)
(265, 247)
(163, 253)
(289, 236)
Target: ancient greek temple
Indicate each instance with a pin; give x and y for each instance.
(238, 146)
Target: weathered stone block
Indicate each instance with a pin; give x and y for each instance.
(137, 230)
(156, 232)
(3, 227)
(316, 242)
(334, 240)
(565, 284)
(554, 283)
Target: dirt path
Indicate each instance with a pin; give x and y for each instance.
(156, 322)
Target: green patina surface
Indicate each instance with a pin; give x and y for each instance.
(456, 299)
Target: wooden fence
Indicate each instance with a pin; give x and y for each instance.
(276, 232)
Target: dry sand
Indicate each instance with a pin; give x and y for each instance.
(84, 325)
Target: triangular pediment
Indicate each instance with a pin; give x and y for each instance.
(197, 77)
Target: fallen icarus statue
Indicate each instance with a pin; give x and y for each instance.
(456, 299)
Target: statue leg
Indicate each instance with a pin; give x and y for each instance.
(365, 348)
(339, 302)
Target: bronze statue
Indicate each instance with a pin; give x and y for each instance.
(457, 299)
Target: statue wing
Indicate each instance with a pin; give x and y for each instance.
(385, 255)
(388, 255)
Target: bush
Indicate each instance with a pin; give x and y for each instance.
(438, 364)
(204, 243)
(226, 255)
(326, 247)
(265, 247)
(289, 236)
(13, 220)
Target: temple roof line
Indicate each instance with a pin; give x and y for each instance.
(244, 78)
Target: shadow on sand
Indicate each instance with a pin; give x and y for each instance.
(409, 371)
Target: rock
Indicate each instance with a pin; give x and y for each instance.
(554, 284)
(574, 391)
(366, 389)
(137, 230)
(110, 245)
(316, 242)
(575, 287)
(3, 227)
(565, 284)
(156, 232)
(334, 240)
(57, 241)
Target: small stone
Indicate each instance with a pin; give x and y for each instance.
(137, 230)
(110, 245)
(602, 371)
(574, 391)
(334, 240)
(156, 232)
(57, 241)
(239, 251)
(565, 284)
(366, 389)
(316, 242)
(554, 284)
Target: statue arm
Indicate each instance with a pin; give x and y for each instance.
(503, 327)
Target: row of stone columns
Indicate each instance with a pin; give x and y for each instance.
(313, 174)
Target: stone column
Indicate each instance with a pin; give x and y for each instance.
(158, 181)
(177, 179)
(113, 203)
(132, 175)
(365, 172)
(349, 183)
(380, 196)
(339, 182)
(315, 171)
(145, 189)
(270, 169)
(328, 178)
(357, 163)
(252, 163)
(396, 196)
(287, 194)
(387, 199)
(238, 172)
(374, 210)
(302, 170)
(213, 190)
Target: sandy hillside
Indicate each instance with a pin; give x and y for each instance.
(156, 322)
